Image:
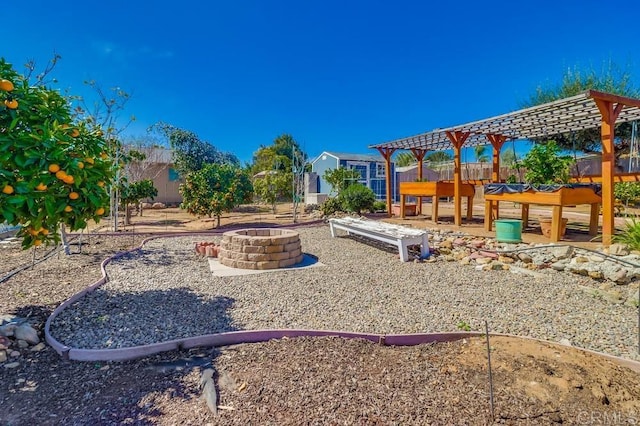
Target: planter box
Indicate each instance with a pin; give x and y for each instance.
(409, 209)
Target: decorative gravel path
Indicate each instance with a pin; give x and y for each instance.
(165, 291)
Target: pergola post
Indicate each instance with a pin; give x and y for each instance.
(457, 139)
(419, 154)
(610, 112)
(386, 154)
(496, 142)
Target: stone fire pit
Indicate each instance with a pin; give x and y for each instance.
(260, 248)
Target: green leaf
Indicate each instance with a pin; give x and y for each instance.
(17, 199)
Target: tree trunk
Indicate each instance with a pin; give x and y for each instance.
(127, 215)
(63, 239)
(140, 208)
(218, 221)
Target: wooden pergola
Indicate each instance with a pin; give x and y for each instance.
(587, 110)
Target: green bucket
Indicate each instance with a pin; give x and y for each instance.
(508, 230)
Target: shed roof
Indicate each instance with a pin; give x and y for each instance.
(353, 157)
(575, 113)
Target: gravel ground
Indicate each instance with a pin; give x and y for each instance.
(165, 291)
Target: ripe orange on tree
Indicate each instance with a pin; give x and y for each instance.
(54, 168)
(44, 231)
(8, 189)
(74, 195)
(68, 179)
(41, 187)
(75, 133)
(100, 211)
(80, 165)
(68, 209)
(101, 184)
(6, 85)
(37, 242)
(61, 174)
(11, 104)
(89, 160)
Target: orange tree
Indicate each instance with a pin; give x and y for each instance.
(53, 170)
(215, 189)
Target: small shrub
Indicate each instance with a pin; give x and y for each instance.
(630, 236)
(357, 197)
(511, 179)
(627, 192)
(379, 206)
(463, 325)
(331, 205)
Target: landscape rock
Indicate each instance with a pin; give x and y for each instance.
(37, 348)
(27, 333)
(633, 299)
(3, 356)
(613, 296)
(22, 344)
(561, 252)
(558, 266)
(596, 275)
(12, 365)
(159, 206)
(618, 275)
(618, 249)
(7, 330)
(525, 258)
(14, 354)
(446, 244)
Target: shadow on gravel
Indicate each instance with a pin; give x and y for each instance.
(106, 319)
(47, 390)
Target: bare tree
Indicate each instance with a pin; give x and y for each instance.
(153, 158)
(104, 115)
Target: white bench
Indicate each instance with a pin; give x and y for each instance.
(396, 235)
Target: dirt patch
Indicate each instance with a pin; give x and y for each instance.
(358, 382)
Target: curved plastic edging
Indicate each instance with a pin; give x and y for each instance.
(255, 336)
(64, 350)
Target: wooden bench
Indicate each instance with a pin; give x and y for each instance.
(399, 236)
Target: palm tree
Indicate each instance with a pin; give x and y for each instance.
(480, 152)
(405, 159)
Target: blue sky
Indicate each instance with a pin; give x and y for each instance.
(337, 75)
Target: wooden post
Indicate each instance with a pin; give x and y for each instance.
(457, 140)
(387, 153)
(496, 142)
(609, 112)
(419, 154)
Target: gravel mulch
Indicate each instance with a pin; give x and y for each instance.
(166, 291)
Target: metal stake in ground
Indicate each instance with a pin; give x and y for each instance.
(486, 330)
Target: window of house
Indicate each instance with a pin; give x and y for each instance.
(380, 170)
(173, 175)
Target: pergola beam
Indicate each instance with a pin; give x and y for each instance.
(386, 154)
(419, 155)
(609, 112)
(457, 140)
